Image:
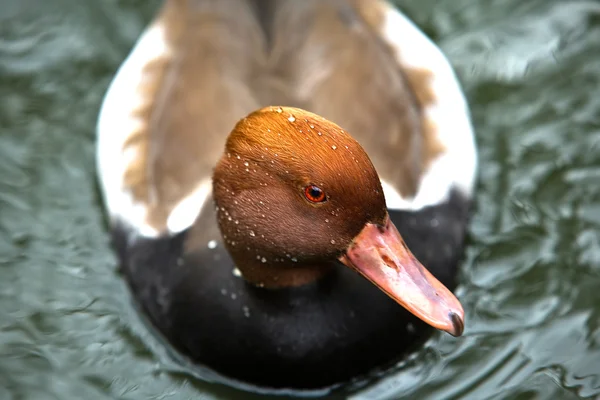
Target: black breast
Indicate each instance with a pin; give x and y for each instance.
(307, 337)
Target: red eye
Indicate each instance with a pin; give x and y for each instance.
(314, 194)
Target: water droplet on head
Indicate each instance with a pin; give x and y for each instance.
(251, 233)
(236, 272)
(291, 118)
(263, 260)
(332, 241)
(334, 147)
(212, 244)
(246, 163)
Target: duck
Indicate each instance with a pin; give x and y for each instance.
(288, 186)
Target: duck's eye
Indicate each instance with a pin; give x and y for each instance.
(314, 194)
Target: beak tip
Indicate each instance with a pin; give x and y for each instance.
(458, 324)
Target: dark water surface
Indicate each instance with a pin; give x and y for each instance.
(530, 282)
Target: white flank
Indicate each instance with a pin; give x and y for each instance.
(456, 166)
(117, 122)
(186, 211)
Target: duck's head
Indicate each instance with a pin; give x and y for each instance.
(295, 194)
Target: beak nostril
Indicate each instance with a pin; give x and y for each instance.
(388, 262)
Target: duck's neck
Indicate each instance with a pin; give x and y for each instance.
(279, 274)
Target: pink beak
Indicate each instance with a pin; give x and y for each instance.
(380, 255)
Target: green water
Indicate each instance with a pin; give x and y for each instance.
(530, 280)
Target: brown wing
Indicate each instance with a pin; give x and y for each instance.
(336, 63)
(198, 94)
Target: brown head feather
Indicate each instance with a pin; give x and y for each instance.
(270, 158)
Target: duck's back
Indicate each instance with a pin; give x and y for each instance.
(200, 67)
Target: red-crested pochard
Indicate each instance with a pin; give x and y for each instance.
(262, 240)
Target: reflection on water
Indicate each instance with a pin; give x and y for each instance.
(532, 271)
